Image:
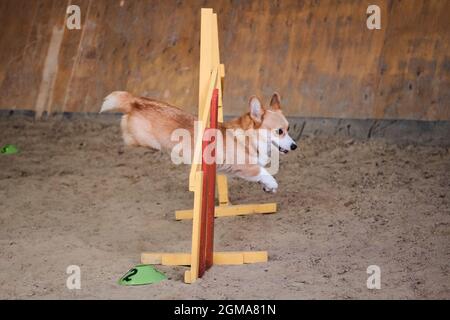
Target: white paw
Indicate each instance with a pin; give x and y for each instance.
(269, 183)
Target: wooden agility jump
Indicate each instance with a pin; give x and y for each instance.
(203, 177)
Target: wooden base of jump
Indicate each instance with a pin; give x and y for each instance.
(203, 176)
(219, 258)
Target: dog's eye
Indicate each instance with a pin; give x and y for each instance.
(280, 131)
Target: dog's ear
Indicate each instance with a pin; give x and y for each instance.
(256, 109)
(275, 103)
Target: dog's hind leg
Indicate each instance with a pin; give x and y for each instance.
(137, 131)
(128, 138)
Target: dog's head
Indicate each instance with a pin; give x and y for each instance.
(273, 120)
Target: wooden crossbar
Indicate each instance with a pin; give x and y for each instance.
(232, 210)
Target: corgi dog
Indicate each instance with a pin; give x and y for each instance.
(150, 123)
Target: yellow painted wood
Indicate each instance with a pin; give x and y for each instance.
(201, 129)
(222, 70)
(195, 249)
(205, 57)
(220, 104)
(216, 62)
(215, 53)
(187, 277)
(222, 190)
(219, 97)
(222, 89)
(232, 210)
(255, 256)
(167, 259)
(151, 258)
(219, 258)
(197, 157)
(240, 257)
(176, 260)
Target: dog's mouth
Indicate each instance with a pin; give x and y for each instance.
(282, 150)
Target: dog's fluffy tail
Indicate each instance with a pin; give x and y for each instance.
(118, 101)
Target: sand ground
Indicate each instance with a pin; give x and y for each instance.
(75, 196)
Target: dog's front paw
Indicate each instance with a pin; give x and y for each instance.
(270, 190)
(270, 185)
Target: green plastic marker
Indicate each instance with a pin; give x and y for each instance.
(9, 149)
(140, 275)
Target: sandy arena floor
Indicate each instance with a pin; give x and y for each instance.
(75, 195)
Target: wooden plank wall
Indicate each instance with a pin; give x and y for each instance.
(317, 53)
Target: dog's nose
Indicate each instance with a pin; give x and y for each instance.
(293, 146)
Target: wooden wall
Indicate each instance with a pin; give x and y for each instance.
(317, 53)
